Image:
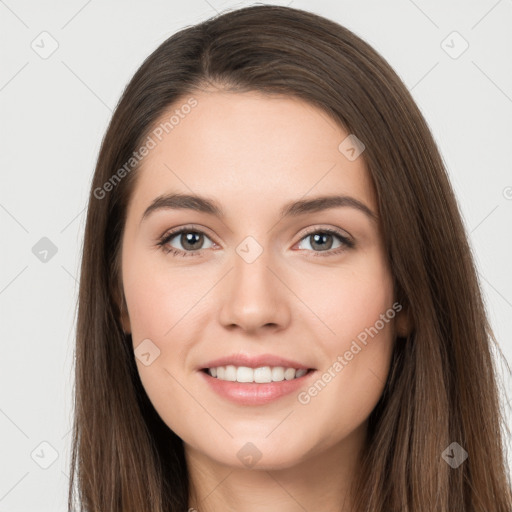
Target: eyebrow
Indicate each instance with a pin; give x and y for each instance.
(177, 201)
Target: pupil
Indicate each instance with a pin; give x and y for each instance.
(189, 239)
(321, 245)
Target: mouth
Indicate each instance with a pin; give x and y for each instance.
(259, 375)
(257, 379)
(258, 386)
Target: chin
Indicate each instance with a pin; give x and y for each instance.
(257, 455)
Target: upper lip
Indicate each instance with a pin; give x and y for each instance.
(256, 361)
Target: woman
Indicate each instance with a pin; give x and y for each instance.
(229, 356)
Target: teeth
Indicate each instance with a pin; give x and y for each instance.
(260, 375)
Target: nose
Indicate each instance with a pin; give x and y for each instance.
(253, 296)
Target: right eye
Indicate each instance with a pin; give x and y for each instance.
(188, 239)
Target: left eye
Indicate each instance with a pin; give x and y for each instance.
(323, 239)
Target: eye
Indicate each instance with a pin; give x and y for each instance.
(190, 240)
(323, 239)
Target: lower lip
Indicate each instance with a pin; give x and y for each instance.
(253, 393)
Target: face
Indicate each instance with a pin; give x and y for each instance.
(310, 289)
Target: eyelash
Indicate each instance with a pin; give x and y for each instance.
(166, 238)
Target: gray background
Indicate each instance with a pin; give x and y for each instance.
(54, 112)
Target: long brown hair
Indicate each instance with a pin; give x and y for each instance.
(442, 386)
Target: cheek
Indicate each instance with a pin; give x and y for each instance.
(159, 306)
(349, 300)
(163, 305)
(157, 296)
(357, 306)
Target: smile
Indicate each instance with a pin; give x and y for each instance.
(263, 374)
(248, 390)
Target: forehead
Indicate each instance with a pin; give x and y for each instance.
(251, 149)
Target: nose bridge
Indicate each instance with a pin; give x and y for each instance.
(252, 279)
(253, 296)
(251, 264)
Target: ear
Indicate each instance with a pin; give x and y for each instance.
(404, 324)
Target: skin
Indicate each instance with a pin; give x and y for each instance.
(253, 154)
